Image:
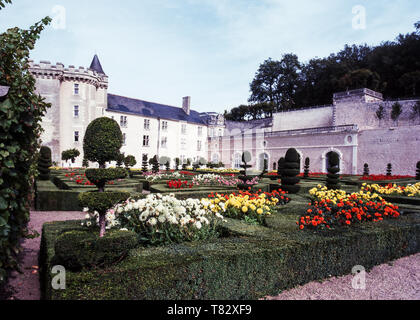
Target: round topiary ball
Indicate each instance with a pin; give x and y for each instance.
(44, 163)
(246, 157)
(103, 141)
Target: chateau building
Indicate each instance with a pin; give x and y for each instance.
(349, 127)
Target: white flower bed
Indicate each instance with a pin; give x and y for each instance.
(162, 219)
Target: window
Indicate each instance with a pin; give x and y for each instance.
(220, 132)
(184, 129)
(165, 125)
(124, 139)
(200, 131)
(123, 121)
(183, 143)
(145, 141)
(215, 158)
(237, 161)
(76, 111)
(146, 124)
(164, 142)
(212, 132)
(76, 136)
(198, 145)
(76, 89)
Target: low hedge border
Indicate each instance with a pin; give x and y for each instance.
(251, 263)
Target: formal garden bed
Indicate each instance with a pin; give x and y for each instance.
(213, 241)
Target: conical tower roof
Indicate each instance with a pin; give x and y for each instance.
(96, 65)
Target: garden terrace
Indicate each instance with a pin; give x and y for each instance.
(248, 262)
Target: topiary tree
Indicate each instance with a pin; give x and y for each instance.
(145, 164)
(306, 171)
(102, 143)
(177, 163)
(365, 169)
(333, 178)
(202, 162)
(103, 140)
(389, 169)
(280, 167)
(155, 164)
(44, 163)
(184, 164)
(290, 179)
(129, 162)
(189, 162)
(380, 113)
(418, 171)
(71, 154)
(85, 163)
(165, 161)
(246, 158)
(120, 160)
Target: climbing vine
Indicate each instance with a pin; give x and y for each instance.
(20, 129)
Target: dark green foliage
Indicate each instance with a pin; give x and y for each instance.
(71, 154)
(120, 160)
(250, 262)
(155, 164)
(416, 110)
(365, 169)
(380, 113)
(102, 201)
(280, 167)
(44, 163)
(76, 250)
(130, 161)
(103, 141)
(306, 171)
(85, 163)
(278, 85)
(145, 164)
(418, 171)
(177, 162)
(333, 178)
(101, 176)
(21, 113)
(396, 111)
(290, 172)
(60, 184)
(184, 165)
(389, 169)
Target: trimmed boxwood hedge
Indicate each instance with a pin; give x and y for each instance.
(253, 262)
(78, 250)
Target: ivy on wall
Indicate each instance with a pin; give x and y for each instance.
(20, 129)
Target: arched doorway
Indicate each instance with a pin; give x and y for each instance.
(327, 159)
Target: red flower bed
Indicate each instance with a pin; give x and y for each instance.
(178, 184)
(325, 214)
(378, 177)
(187, 173)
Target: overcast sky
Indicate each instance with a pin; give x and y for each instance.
(162, 50)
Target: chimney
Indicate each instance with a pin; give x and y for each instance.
(186, 104)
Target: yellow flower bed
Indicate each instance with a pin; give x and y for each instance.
(394, 189)
(322, 193)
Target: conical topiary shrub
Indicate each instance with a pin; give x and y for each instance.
(418, 171)
(280, 167)
(389, 169)
(333, 178)
(102, 142)
(145, 164)
(365, 169)
(155, 164)
(246, 158)
(44, 163)
(306, 171)
(290, 179)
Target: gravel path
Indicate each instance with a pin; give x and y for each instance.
(399, 280)
(26, 286)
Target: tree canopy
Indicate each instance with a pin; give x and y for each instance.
(393, 68)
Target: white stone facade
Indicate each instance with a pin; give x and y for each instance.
(348, 127)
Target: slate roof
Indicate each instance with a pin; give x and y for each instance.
(3, 91)
(96, 65)
(150, 109)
